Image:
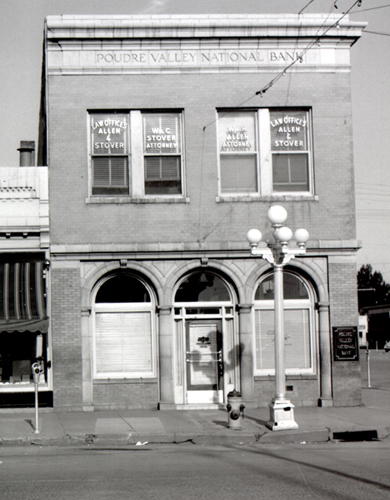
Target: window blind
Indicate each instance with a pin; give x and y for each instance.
(239, 173)
(297, 339)
(123, 342)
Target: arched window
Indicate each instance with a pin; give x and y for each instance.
(299, 325)
(124, 344)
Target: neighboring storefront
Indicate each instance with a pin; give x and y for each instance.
(163, 152)
(24, 318)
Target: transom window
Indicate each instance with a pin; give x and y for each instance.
(298, 326)
(202, 287)
(124, 341)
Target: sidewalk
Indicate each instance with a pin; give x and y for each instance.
(138, 427)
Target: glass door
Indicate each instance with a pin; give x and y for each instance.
(204, 361)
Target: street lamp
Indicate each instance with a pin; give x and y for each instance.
(278, 254)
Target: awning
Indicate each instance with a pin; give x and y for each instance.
(22, 293)
(33, 325)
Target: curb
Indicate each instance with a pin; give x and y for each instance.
(142, 439)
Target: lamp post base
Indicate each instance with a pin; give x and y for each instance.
(281, 416)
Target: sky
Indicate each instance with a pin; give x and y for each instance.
(21, 37)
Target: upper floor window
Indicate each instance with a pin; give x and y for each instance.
(265, 152)
(109, 154)
(290, 151)
(162, 153)
(136, 154)
(237, 138)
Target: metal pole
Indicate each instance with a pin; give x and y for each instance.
(368, 369)
(280, 377)
(36, 431)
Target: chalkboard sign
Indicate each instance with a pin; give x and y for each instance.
(345, 343)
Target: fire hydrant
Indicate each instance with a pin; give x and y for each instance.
(235, 410)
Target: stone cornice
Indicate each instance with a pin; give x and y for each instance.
(188, 250)
(204, 26)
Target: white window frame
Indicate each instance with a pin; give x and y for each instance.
(136, 175)
(264, 155)
(289, 304)
(147, 307)
(91, 155)
(253, 153)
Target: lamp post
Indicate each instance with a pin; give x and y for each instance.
(278, 254)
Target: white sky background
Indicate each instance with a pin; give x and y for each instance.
(21, 36)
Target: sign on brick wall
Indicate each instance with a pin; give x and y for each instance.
(345, 343)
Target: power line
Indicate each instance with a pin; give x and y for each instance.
(300, 12)
(376, 33)
(372, 8)
(299, 58)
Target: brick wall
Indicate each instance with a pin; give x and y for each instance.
(203, 219)
(124, 395)
(344, 312)
(66, 337)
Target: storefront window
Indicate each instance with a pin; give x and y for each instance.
(23, 320)
(298, 326)
(124, 344)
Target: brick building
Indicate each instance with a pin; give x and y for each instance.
(162, 155)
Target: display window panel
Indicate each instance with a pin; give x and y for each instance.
(299, 327)
(124, 329)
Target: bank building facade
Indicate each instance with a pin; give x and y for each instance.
(167, 138)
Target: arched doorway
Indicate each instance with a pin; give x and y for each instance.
(123, 315)
(206, 339)
(300, 326)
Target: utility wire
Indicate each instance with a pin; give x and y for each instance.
(299, 58)
(372, 8)
(376, 33)
(300, 12)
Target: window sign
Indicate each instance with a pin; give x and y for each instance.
(162, 134)
(162, 153)
(237, 133)
(288, 130)
(238, 152)
(290, 151)
(109, 134)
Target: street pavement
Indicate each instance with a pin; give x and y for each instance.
(141, 427)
